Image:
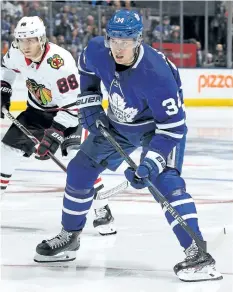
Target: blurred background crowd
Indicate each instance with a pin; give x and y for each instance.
(71, 24)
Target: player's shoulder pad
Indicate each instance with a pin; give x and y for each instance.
(13, 56)
(158, 72)
(155, 63)
(96, 50)
(13, 51)
(58, 58)
(96, 43)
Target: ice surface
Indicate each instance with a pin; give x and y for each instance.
(140, 258)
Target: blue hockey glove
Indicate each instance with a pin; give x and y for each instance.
(151, 166)
(90, 110)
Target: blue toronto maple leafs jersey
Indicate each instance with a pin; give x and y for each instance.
(146, 96)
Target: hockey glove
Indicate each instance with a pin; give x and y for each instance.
(6, 92)
(72, 141)
(90, 109)
(38, 157)
(150, 167)
(53, 137)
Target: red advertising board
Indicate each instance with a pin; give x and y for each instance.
(172, 51)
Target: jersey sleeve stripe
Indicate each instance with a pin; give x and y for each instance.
(83, 71)
(173, 135)
(170, 125)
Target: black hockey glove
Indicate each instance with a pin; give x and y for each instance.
(90, 109)
(6, 92)
(53, 137)
(72, 140)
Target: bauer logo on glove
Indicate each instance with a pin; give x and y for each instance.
(89, 100)
(58, 137)
(53, 137)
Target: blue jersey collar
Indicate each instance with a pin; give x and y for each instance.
(141, 54)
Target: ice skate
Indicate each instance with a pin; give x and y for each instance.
(104, 221)
(61, 248)
(197, 266)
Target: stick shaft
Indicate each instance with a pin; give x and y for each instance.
(32, 138)
(153, 190)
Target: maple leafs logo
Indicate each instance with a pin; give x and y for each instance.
(121, 112)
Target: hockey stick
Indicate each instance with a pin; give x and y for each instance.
(112, 192)
(100, 195)
(31, 137)
(153, 190)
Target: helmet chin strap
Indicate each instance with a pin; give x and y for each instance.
(135, 56)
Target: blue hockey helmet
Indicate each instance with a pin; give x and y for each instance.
(124, 24)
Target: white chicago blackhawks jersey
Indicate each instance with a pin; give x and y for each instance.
(52, 83)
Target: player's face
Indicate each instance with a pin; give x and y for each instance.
(122, 50)
(30, 47)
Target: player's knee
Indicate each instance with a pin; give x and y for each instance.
(82, 172)
(171, 184)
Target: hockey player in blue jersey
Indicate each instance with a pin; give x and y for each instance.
(145, 110)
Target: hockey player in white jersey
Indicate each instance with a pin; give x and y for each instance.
(52, 80)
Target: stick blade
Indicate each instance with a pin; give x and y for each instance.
(112, 192)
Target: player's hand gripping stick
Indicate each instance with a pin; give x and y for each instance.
(31, 137)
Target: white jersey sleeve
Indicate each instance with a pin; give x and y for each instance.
(9, 65)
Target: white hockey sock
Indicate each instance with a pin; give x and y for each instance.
(10, 158)
(99, 203)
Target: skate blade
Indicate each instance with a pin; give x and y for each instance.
(66, 256)
(108, 229)
(206, 274)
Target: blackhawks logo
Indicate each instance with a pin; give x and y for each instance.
(55, 61)
(42, 94)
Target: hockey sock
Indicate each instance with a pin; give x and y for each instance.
(82, 173)
(10, 159)
(185, 206)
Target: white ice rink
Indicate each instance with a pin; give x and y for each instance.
(140, 258)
